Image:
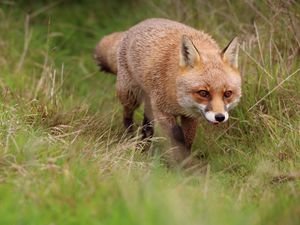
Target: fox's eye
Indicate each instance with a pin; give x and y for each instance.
(227, 94)
(203, 93)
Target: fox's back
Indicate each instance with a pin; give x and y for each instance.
(150, 50)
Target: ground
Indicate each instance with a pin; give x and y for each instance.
(64, 158)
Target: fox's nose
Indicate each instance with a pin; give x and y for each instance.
(219, 117)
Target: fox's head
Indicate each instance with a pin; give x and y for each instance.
(209, 82)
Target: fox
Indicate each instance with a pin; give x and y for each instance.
(179, 73)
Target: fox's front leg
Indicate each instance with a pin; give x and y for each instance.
(175, 132)
(189, 128)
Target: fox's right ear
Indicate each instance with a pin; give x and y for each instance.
(230, 53)
(189, 55)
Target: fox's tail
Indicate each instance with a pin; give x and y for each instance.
(106, 52)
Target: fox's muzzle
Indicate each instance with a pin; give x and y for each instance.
(216, 117)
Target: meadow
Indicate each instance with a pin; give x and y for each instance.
(64, 158)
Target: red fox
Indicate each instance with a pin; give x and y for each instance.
(178, 72)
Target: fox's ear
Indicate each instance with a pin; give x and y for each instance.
(189, 55)
(231, 52)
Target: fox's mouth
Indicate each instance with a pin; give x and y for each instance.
(211, 122)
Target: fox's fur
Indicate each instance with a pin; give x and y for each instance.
(177, 71)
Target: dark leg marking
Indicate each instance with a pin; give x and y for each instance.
(178, 134)
(147, 130)
(128, 123)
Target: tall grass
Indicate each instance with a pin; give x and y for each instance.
(65, 160)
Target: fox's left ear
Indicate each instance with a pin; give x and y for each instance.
(189, 55)
(231, 52)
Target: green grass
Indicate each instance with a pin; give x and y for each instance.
(63, 156)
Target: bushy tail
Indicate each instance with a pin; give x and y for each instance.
(106, 52)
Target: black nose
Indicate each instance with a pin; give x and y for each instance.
(219, 117)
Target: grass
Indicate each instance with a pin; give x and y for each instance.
(64, 158)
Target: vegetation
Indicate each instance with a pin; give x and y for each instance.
(64, 158)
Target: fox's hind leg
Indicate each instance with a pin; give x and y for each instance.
(129, 96)
(148, 123)
(147, 127)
